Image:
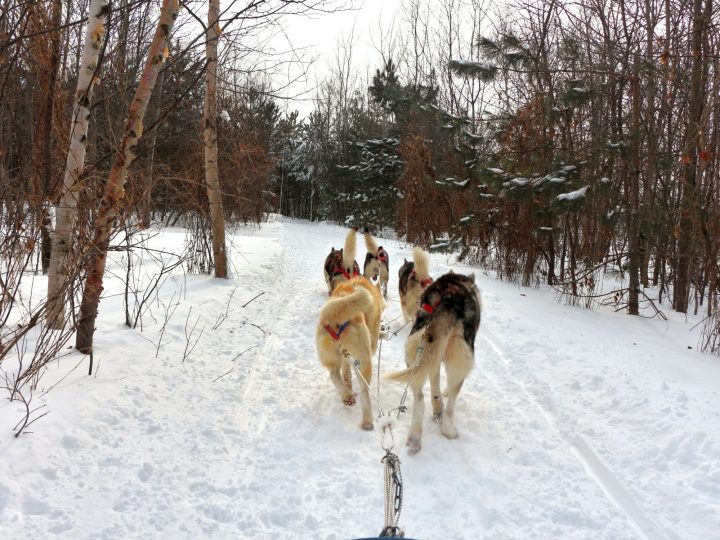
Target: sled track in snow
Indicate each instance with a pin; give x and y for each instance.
(611, 486)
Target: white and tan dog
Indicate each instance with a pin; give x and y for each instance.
(414, 279)
(350, 322)
(443, 333)
(377, 262)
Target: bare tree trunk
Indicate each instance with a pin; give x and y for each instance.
(66, 211)
(115, 186)
(48, 187)
(634, 257)
(649, 235)
(689, 202)
(149, 171)
(45, 55)
(212, 181)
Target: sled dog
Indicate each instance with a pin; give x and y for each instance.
(377, 262)
(349, 323)
(444, 332)
(414, 279)
(340, 264)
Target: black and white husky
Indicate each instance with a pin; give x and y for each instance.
(414, 279)
(443, 333)
(340, 264)
(377, 262)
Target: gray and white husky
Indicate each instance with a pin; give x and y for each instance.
(414, 279)
(377, 262)
(443, 333)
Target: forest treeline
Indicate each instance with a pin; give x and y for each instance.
(552, 141)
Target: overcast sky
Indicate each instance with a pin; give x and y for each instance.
(321, 35)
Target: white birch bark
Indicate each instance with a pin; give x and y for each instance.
(114, 192)
(66, 212)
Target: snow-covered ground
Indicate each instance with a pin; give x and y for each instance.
(574, 423)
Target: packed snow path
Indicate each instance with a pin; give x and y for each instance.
(573, 424)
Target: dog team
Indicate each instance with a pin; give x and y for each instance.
(445, 313)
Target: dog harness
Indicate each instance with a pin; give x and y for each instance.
(425, 282)
(430, 308)
(336, 334)
(339, 270)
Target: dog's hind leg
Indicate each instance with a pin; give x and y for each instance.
(436, 394)
(366, 371)
(403, 308)
(346, 374)
(458, 363)
(384, 279)
(357, 340)
(334, 364)
(414, 440)
(433, 370)
(346, 394)
(418, 362)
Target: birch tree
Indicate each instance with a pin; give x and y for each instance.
(66, 211)
(114, 191)
(212, 180)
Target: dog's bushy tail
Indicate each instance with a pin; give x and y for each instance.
(422, 263)
(422, 352)
(370, 242)
(399, 376)
(349, 251)
(344, 308)
(418, 371)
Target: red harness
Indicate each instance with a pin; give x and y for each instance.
(339, 270)
(425, 282)
(333, 334)
(430, 308)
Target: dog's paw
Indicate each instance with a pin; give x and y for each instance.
(449, 432)
(414, 444)
(367, 426)
(349, 400)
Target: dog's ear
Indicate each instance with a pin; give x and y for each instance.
(471, 276)
(450, 272)
(404, 260)
(332, 249)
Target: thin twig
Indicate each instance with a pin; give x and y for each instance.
(246, 303)
(224, 315)
(256, 326)
(235, 358)
(188, 337)
(246, 350)
(228, 371)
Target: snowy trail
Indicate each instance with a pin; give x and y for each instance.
(259, 445)
(597, 470)
(310, 384)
